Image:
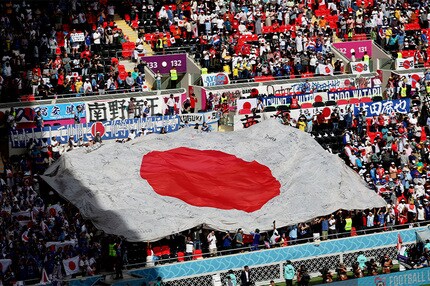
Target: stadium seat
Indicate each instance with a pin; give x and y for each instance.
(181, 256)
(165, 252)
(342, 102)
(354, 101)
(197, 254)
(306, 105)
(157, 251)
(365, 99)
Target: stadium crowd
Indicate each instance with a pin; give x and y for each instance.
(74, 52)
(44, 55)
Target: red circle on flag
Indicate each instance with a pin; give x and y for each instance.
(327, 69)
(209, 178)
(52, 211)
(98, 127)
(247, 105)
(406, 64)
(326, 112)
(359, 67)
(72, 265)
(347, 82)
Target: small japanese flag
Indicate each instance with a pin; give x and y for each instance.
(45, 278)
(54, 210)
(71, 265)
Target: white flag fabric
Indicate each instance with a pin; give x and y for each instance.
(405, 63)
(4, 264)
(180, 180)
(71, 265)
(359, 67)
(325, 69)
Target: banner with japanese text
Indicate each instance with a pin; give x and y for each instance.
(384, 107)
(117, 129)
(117, 109)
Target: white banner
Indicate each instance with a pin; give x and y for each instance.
(359, 67)
(57, 244)
(77, 37)
(108, 110)
(200, 118)
(214, 79)
(405, 64)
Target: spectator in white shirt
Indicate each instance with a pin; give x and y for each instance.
(171, 105)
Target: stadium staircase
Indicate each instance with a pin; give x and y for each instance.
(130, 33)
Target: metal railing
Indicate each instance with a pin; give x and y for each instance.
(261, 247)
(93, 97)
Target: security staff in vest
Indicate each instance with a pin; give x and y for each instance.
(159, 44)
(173, 77)
(403, 91)
(112, 255)
(366, 58)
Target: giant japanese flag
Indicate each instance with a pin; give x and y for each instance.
(158, 185)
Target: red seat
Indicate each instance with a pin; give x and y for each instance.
(354, 101)
(342, 102)
(197, 254)
(181, 257)
(366, 99)
(306, 105)
(157, 251)
(165, 251)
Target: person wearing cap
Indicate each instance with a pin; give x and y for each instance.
(97, 138)
(421, 214)
(289, 273)
(88, 88)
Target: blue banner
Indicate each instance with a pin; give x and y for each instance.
(354, 93)
(383, 107)
(118, 129)
(284, 100)
(61, 110)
